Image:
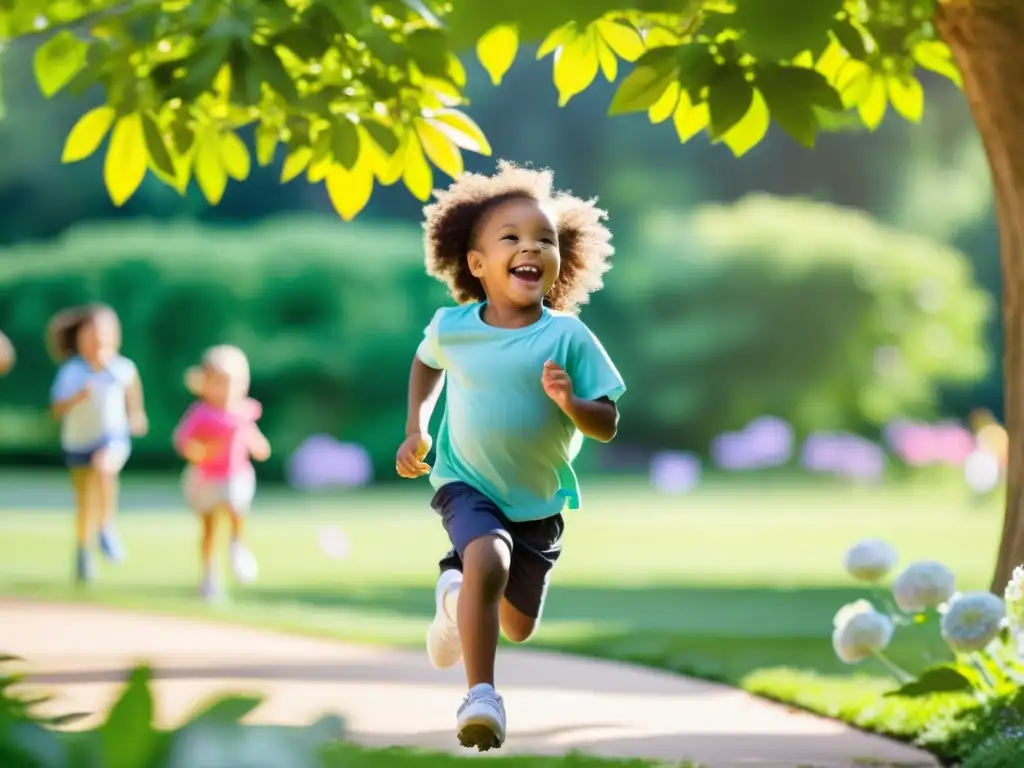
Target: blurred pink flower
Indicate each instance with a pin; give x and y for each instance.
(920, 444)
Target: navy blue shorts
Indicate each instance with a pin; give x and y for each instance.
(118, 451)
(467, 515)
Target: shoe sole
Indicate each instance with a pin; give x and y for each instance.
(479, 734)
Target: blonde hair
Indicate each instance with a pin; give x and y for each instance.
(223, 358)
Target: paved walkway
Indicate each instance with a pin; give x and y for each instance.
(555, 703)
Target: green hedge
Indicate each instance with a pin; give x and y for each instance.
(766, 306)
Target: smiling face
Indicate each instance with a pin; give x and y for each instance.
(515, 254)
(99, 339)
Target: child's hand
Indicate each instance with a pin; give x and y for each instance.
(411, 453)
(557, 384)
(84, 393)
(196, 451)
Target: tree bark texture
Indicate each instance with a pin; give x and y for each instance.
(987, 39)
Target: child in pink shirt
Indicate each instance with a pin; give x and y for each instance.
(217, 436)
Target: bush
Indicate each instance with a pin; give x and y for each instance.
(811, 313)
(329, 314)
(763, 307)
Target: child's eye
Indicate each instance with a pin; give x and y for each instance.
(510, 237)
(547, 240)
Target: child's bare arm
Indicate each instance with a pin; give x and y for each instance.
(259, 446)
(136, 405)
(61, 407)
(425, 385)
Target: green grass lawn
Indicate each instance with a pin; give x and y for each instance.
(730, 582)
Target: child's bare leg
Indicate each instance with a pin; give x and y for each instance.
(83, 483)
(207, 541)
(237, 525)
(107, 464)
(208, 536)
(485, 573)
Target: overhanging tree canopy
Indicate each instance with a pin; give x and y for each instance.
(362, 93)
(359, 93)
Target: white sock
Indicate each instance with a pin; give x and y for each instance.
(482, 688)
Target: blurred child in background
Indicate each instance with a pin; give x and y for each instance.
(97, 397)
(217, 436)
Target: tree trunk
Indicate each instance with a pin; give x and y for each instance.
(987, 39)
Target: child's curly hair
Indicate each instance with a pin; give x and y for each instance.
(62, 330)
(584, 242)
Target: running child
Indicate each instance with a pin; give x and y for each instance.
(97, 397)
(527, 380)
(218, 436)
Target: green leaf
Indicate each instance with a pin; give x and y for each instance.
(851, 38)
(576, 66)
(381, 135)
(689, 118)
(808, 83)
(246, 85)
(497, 50)
(665, 106)
(416, 173)
(874, 103)
(128, 735)
(556, 39)
(729, 99)
(58, 60)
(623, 39)
(266, 144)
(790, 108)
(429, 51)
(270, 68)
(235, 156)
(906, 96)
(941, 679)
(642, 88)
(751, 128)
(201, 69)
(124, 167)
(778, 30)
(350, 190)
(295, 163)
(696, 68)
(440, 149)
(228, 709)
(345, 143)
(156, 148)
(211, 175)
(461, 129)
(936, 57)
(87, 134)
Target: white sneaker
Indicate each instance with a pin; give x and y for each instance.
(243, 563)
(482, 719)
(443, 644)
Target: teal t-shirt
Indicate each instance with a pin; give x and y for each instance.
(500, 433)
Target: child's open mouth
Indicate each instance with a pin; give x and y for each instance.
(526, 272)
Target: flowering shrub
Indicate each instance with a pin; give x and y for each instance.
(978, 627)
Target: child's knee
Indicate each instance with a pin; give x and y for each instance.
(516, 625)
(486, 561)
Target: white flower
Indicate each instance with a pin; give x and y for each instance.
(972, 621)
(860, 631)
(848, 611)
(870, 560)
(1014, 597)
(923, 585)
